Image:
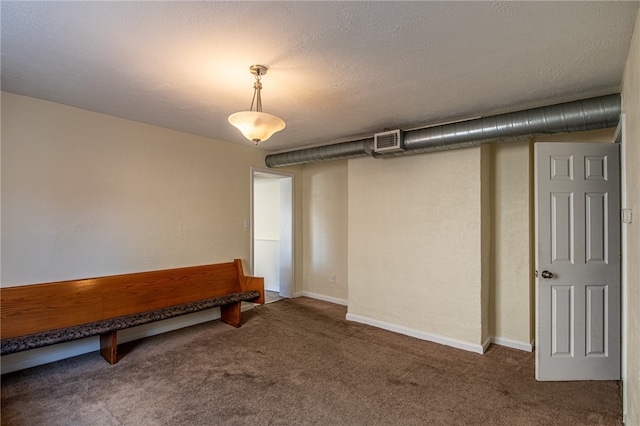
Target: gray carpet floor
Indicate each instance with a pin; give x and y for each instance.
(299, 362)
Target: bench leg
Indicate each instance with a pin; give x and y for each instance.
(231, 314)
(109, 346)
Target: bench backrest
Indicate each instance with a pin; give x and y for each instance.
(40, 307)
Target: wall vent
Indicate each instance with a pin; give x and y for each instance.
(390, 141)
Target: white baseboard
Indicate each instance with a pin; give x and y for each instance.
(325, 298)
(510, 343)
(443, 340)
(47, 354)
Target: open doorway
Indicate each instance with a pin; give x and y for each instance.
(272, 231)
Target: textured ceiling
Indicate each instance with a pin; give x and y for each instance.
(337, 70)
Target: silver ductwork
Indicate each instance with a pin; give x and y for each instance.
(336, 151)
(587, 114)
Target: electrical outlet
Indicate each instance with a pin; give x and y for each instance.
(333, 278)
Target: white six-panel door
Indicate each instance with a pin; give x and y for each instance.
(577, 261)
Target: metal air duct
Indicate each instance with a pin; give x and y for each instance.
(587, 114)
(336, 151)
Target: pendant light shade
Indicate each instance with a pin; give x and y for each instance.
(257, 126)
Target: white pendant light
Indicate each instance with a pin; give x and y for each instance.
(257, 126)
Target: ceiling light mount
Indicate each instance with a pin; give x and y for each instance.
(258, 70)
(257, 126)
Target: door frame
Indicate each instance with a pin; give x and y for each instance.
(287, 264)
(619, 138)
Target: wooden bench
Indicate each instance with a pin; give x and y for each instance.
(38, 315)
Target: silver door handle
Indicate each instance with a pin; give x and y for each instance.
(546, 275)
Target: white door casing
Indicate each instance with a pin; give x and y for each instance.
(281, 261)
(577, 193)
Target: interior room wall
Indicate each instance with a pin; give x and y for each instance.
(486, 239)
(414, 248)
(87, 194)
(325, 189)
(266, 232)
(631, 232)
(298, 226)
(511, 284)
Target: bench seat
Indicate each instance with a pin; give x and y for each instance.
(38, 315)
(62, 335)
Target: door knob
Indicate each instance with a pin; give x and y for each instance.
(546, 275)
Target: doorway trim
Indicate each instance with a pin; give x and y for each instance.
(620, 139)
(287, 262)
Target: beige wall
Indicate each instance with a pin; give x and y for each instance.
(486, 236)
(631, 232)
(380, 190)
(506, 287)
(325, 225)
(86, 194)
(415, 260)
(510, 298)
